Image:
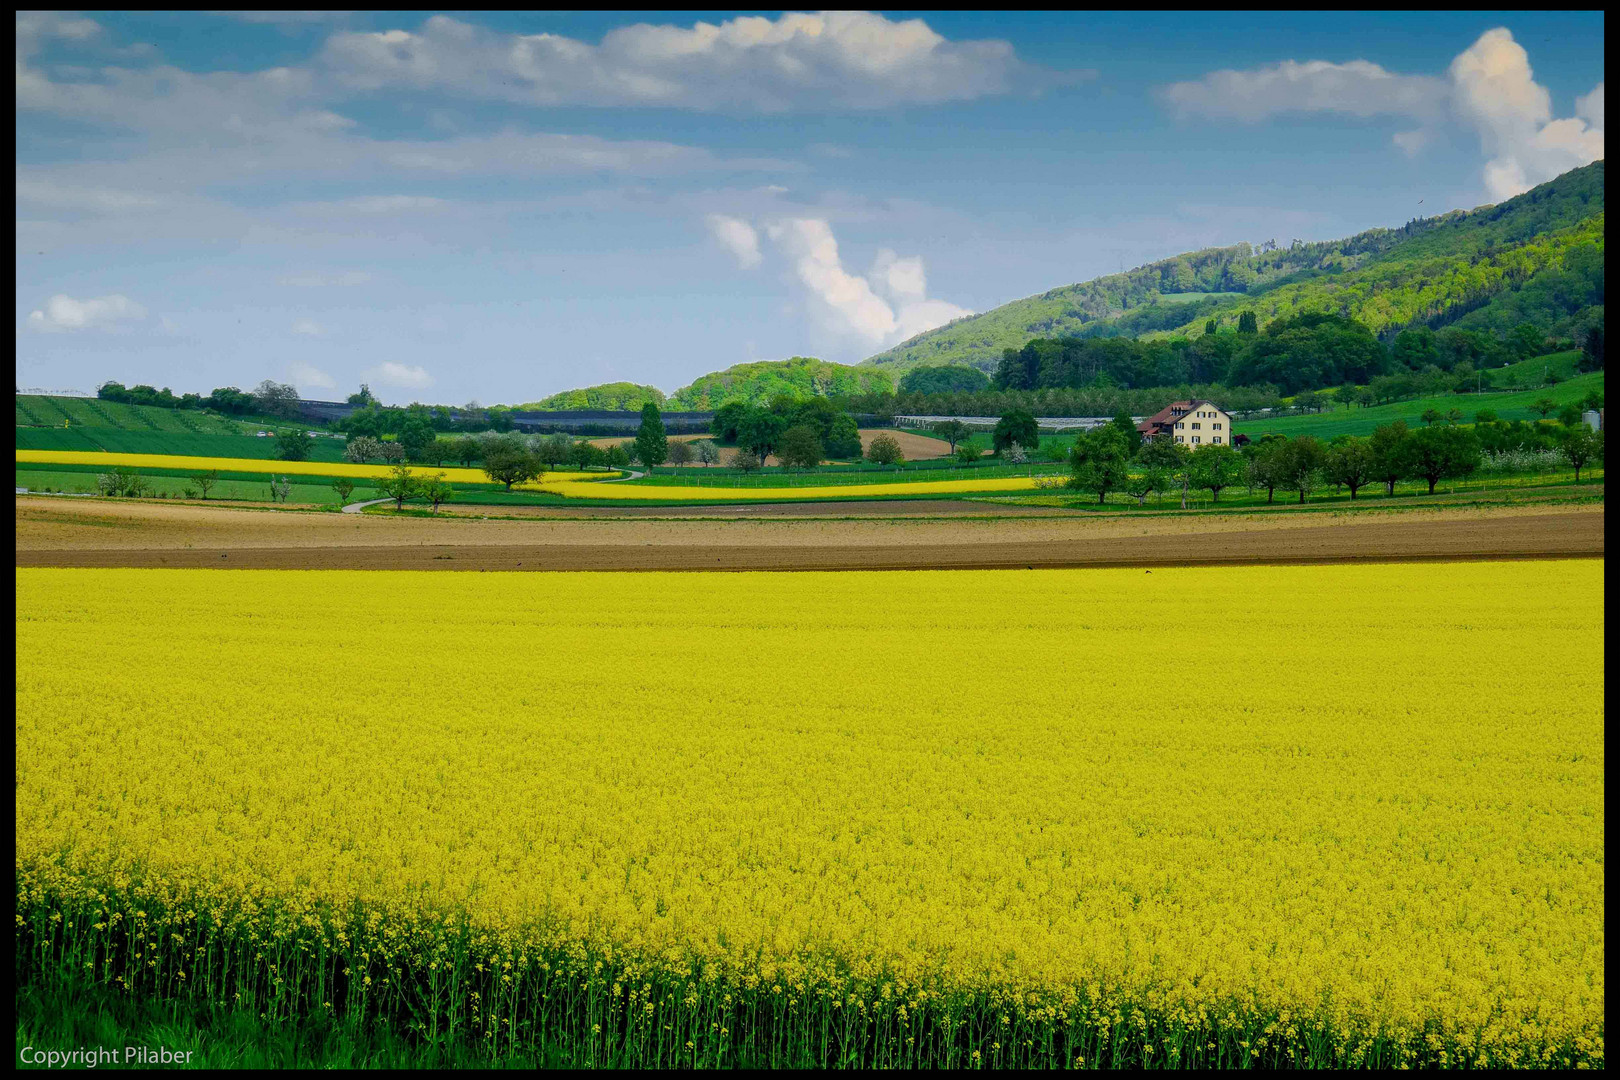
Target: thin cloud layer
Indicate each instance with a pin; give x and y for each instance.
(1489, 88)
(403, 376)
(837, 60)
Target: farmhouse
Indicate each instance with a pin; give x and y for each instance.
(1194, 423)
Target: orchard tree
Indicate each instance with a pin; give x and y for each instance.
(435, 489)
(1128, 430)
(1389, 464)
(293, 444)
(680, 453)
(1581, 446)
(1543, 406)
(967, 453)
(745, 461)
(1304, 460)
(399, 484)
(1139, 485)
(707, 452)
(1268, 466)
(344, 488)
(361, 449)
(391, 452)
(1216, 467)
(206, 480)
(1442, 453)
(1431, 417)
(1169, 457)
(1351, 462)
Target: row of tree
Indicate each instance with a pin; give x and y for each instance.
(1105, 460)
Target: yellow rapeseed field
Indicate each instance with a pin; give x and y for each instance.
(256, 465)
(559, 484)
(1346, 814)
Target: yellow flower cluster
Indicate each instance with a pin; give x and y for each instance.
(559, 484)
(257, 465)
(1359, 808)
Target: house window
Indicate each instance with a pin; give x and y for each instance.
(1195, 438)
(1179, 426)
(1196, 426)
(1180, 439)
(1216, 439)
(1217, 427)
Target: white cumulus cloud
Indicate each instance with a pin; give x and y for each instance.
(1488, 88)
(1494, 90)
(305, 375)
(841, 60)
(737, 237)
(886, 308)
(405, 376)
(64, 313)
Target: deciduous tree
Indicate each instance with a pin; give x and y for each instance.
(510, 465)
(800, 448)
(400, 484)
(652, 444)
(1441, 453)
(1216, 467)
(884, 449)
(293, 444)
(1351, 463)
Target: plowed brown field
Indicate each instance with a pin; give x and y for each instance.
(70, 532)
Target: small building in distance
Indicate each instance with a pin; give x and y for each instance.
(1593, 418)
(1192, 423)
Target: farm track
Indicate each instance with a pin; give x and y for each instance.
(72, 533)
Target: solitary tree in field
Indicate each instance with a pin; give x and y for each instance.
(399, 484)
(745, 460)
(707, 452)
(1543, 406)
(435, 489)
(344, 488)
(1351, 463)
(652, 444)
(509, 465)
(1431, 417)
(967, 453)
(619, 458)
(1580, 447)
(1454, 415)
(1216, 467)
(293, 444)
(205, 480)
(1485, 416)
(801, 447)
(280, 488)
(680, 453)
(885, 450)
(1017, 426)
(1099, 462)
(952, 431)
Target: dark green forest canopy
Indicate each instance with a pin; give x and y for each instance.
(1537, 257)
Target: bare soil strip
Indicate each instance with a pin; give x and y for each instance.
(832, 545)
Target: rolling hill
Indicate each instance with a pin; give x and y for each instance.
(1537, 257)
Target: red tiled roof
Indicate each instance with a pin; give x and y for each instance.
(1162, 419)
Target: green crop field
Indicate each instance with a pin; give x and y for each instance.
(1341, 421)
(238, 489)
(118, 441)
(1531, 373)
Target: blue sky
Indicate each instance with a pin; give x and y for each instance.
(495, 207)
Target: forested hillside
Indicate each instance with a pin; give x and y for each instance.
(758, 383)
(1536, 258)
(622, 396)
